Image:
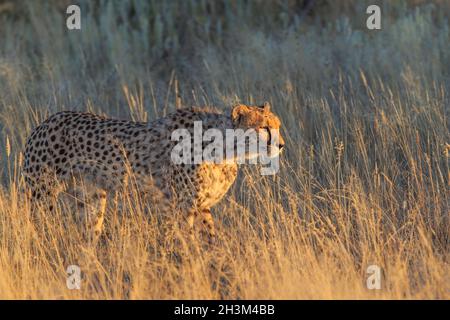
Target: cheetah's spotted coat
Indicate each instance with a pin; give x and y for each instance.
(72, 146)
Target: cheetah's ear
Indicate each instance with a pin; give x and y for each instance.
(238, 111)
(266, 107)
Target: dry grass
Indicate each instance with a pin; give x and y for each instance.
(364, 179)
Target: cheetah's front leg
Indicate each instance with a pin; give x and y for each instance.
(207, 220)
(98, 213)
(208, 223)
(91, 207)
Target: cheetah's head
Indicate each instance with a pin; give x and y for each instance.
(264, 122)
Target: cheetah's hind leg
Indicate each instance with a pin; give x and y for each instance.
(42, 190)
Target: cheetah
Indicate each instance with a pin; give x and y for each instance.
(102, 152)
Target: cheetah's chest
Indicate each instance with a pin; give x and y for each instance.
(214, 182)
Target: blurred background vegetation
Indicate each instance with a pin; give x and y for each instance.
(129, 38)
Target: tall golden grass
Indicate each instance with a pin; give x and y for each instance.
(364, 179)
